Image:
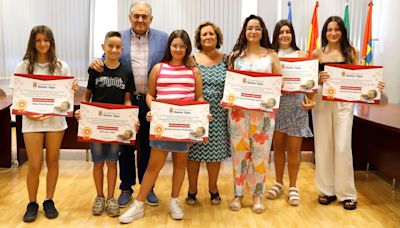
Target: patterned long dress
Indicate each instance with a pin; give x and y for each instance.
(251, 138)
(217, 147)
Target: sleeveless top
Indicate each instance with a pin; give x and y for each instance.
(175, 82)
(288, 53)
(263, 64)
(217, 148)
(322, 65)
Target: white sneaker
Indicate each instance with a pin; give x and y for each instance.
(175, 209)
(135, 211)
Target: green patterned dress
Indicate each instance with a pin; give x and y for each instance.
(217, 147)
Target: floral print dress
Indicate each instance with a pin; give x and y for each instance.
(251, 137)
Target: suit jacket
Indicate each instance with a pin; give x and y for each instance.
(157, 46)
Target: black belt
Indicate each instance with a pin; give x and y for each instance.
(139, 96)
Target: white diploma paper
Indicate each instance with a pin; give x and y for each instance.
(43, 94)
(352, 83)
(107, 123)
(252, 90)
(184, 121)
(300, 75)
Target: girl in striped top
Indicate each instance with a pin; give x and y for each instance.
(173, 79)
(175, 82)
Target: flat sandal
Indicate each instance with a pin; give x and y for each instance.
(191, 198)
(215, 199)
(325, 200)
(349, 204)
(294, 196)
(275, 191)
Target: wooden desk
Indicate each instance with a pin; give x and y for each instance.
(5, 131)
(376, 138)
(69, 140)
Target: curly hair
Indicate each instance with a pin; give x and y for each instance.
(217, 31)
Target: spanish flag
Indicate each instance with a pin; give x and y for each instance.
(313, 33)
(367, 43)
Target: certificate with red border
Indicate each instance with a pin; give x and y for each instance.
(252, 90)
(184, 121)
(43, 94)
(352, 83)
(107, 123)
(300, 75)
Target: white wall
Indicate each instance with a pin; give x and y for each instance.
(268, 10)
(2, 53)
(188, 14)
(68, 19)
(105, 20)
(249, 7)
(389, 52)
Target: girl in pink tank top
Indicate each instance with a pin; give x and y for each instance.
(175, 82)
(173, 79)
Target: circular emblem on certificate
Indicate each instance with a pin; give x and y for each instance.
(87, 131)
(331, 92)
(158, 130)
(231, 98)
(21, 104)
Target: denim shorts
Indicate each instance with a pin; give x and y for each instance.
(102, 152)
(170, 146)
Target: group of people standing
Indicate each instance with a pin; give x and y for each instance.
(154, 65)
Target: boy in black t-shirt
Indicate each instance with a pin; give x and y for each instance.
(114, 85)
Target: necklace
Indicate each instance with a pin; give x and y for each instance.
(42, 65)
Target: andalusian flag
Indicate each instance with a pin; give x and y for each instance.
(289, 12)
(347, 19)
(367, 43)
(313, 39)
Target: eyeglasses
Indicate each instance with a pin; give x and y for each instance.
(257, 29)
(144, 17)
(176, 47)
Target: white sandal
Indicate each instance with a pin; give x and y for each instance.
(236, 204)
(275, 191)
(258, 207)
(294, 197)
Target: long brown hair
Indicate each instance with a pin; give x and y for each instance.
(346, 49)
(241, 42)
(31, 52)
(277, 30)
(182, 34)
